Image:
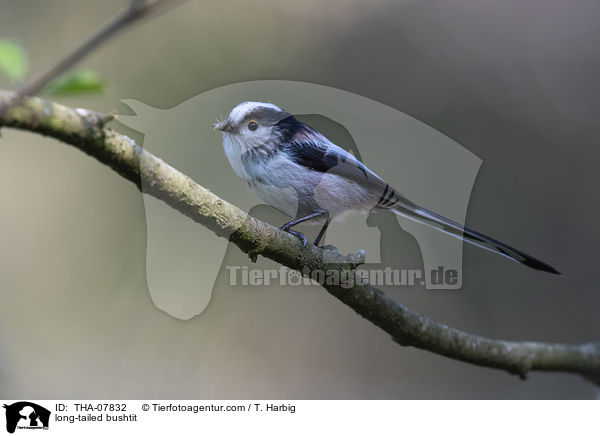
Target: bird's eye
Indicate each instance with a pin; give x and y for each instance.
(252, 125)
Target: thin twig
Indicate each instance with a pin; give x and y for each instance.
(86, 131)
(136, 10)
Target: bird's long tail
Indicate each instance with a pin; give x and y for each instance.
(419, 214)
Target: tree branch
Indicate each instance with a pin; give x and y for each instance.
(86, 130)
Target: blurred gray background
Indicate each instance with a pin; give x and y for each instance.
(517, 83)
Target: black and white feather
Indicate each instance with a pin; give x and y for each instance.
(297, 170)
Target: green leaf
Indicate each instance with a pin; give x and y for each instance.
(77, 82)
(13, 60)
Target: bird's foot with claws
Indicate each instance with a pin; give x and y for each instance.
(298, 235)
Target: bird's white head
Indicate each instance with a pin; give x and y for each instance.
(251, 122)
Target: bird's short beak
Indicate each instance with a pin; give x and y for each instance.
(219, 125)
(223, 126)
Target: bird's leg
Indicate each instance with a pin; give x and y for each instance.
(323, 230)
(287, 226)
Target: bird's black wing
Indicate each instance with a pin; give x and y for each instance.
(309, 148)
